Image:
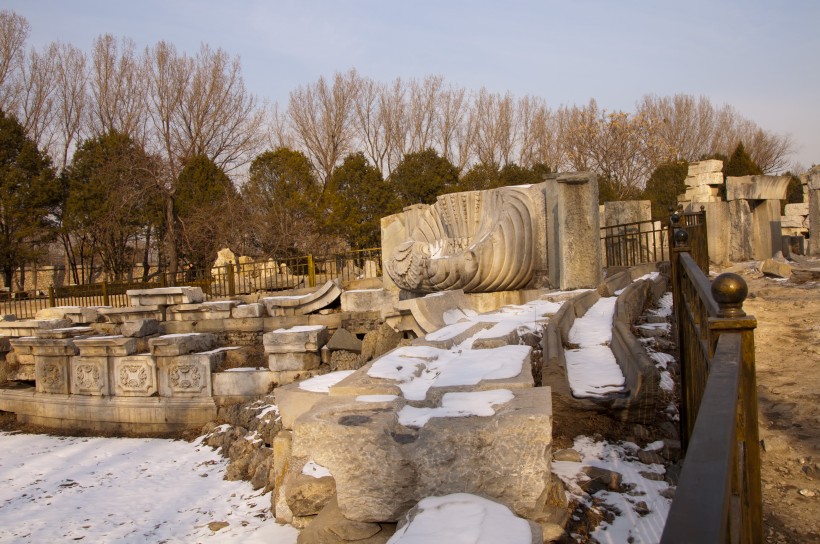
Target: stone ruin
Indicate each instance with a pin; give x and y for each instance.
(458, 400)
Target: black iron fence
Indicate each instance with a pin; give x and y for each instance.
(718, 498)
(224, 281)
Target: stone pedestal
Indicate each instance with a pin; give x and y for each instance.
(90, 376)
(187, 375)
(52, 364)
(134, 376)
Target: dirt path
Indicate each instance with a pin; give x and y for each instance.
(787, 353)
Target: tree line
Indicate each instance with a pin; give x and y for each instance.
(162, 154)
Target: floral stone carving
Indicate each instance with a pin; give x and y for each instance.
(135, 376)
(89, 375)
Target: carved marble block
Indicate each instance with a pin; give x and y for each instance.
(134, 376)
(187, 375)
(89, 376)
(51, 375)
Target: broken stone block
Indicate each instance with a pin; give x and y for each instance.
(364, 300)
(254, 309)
(704, 167)
(171, 345)
(379, 342)
(344, 360)
(307, 495)
(303, 303)
(201, 311)
(600, 479)
(80, 315)
(131, 313)
(770, 267)
(756, 187)
(140, 328)
(297, 339)
(165, 296)
(331, 527)
(344, 340)
(106, 346)
(29, 327)
(293, 361)
(285, 377)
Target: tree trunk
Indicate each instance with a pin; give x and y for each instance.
(171, 238)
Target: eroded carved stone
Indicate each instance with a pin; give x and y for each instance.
(478, 241)
(135, 376)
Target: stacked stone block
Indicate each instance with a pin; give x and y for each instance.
(703, 182)
(295, 353)
(185, 363)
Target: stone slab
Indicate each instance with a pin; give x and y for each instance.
(29, 327)
(114, 346)
(140, 328)
(201, 311)
(294, 401)
(242, 383)
(254, 309)
(294, 361)
(505, 456)
(757, 187)
(165, 296)
(301, 338)
(704, 179)
(706, 166)
(365, 300)
(181, 344)
(303, 303)
(79, 315)
(131, 313)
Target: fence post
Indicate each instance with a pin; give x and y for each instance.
(311, 271)
(678, 243)
(231, 280)
(51, 298)
(105, 294)
(729, 291)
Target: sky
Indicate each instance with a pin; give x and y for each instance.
(761, 57)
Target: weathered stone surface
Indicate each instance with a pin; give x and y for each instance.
(303, 303)
(619, 212)
(306, 495)
(566, 455)
(285, 377)
(756, 187)
(103, 346)
(811, 180)
(134, 376)
(244, 383)
(254, 309)
(298, 339)
(379, 342)
(740, 225)
(477, 241)
(342, 339)
(293, 402)
(71, 332)
(331, 527)
(282, 446)
(345, 360)
(131, 313)
(187, 375)
(89, 376)
(293, 361)
(52, 375)
(171, 345)
(770, 267)
(704, 179)
(574, 244)
(29, 327)
(75, 314)
(600, 479)
(387, 467)
(201, 311)
(705, 167)
(365, 300)
(140, 328)
(165, 296)
(766, 232)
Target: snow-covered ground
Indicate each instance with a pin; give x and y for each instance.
(124, 490)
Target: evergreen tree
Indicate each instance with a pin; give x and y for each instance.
(741, 164)
(29, 195)
(356, 199)
(420, 177)
(664, 186)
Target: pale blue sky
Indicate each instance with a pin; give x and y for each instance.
(762, 57)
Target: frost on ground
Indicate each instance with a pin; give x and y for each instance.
(640, 512)
(126, 490)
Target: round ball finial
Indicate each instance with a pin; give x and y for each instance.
(681, 237)
(675, 217)
(729, 290)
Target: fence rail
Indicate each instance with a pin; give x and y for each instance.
(224, 281)
(718, 498)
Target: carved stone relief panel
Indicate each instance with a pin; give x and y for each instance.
(135, 376)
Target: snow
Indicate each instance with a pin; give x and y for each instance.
(457, 404)
(449, 332)
(651, 276)
(629, 525)
(126, 490)
(376, 398)
(302, 328)
(247, 369)
(592, 369)
(323, 383)
(312, 468)
(664, 308)
(462, 518)
(667, 383)
(418, 368)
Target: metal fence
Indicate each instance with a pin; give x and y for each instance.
(225, 281)
(718, 498)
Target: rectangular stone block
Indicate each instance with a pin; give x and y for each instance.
(705, 179)
(75, 314)
(171, 345)
(106, 346)
(165, 296)
(134, 376)
(52, 375)
(300, 338)
(294, 361)
(121, 315)
(71, 332)
(187, 375)
(756, 187)
(89, 376)
(29, 327)
(243, 382)
(254, 309)
(704, 167)
(797, 209)
(285, 377)
(201, 311)
(364, 300)
(43, 347)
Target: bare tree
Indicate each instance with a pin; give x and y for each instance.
(372, 130)
(14, 31)
(70, 97)
(37, 83)
(452, 110)
(118, 88)
(496, 129)
(321, 117)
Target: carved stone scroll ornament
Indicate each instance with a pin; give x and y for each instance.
(477, 241)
